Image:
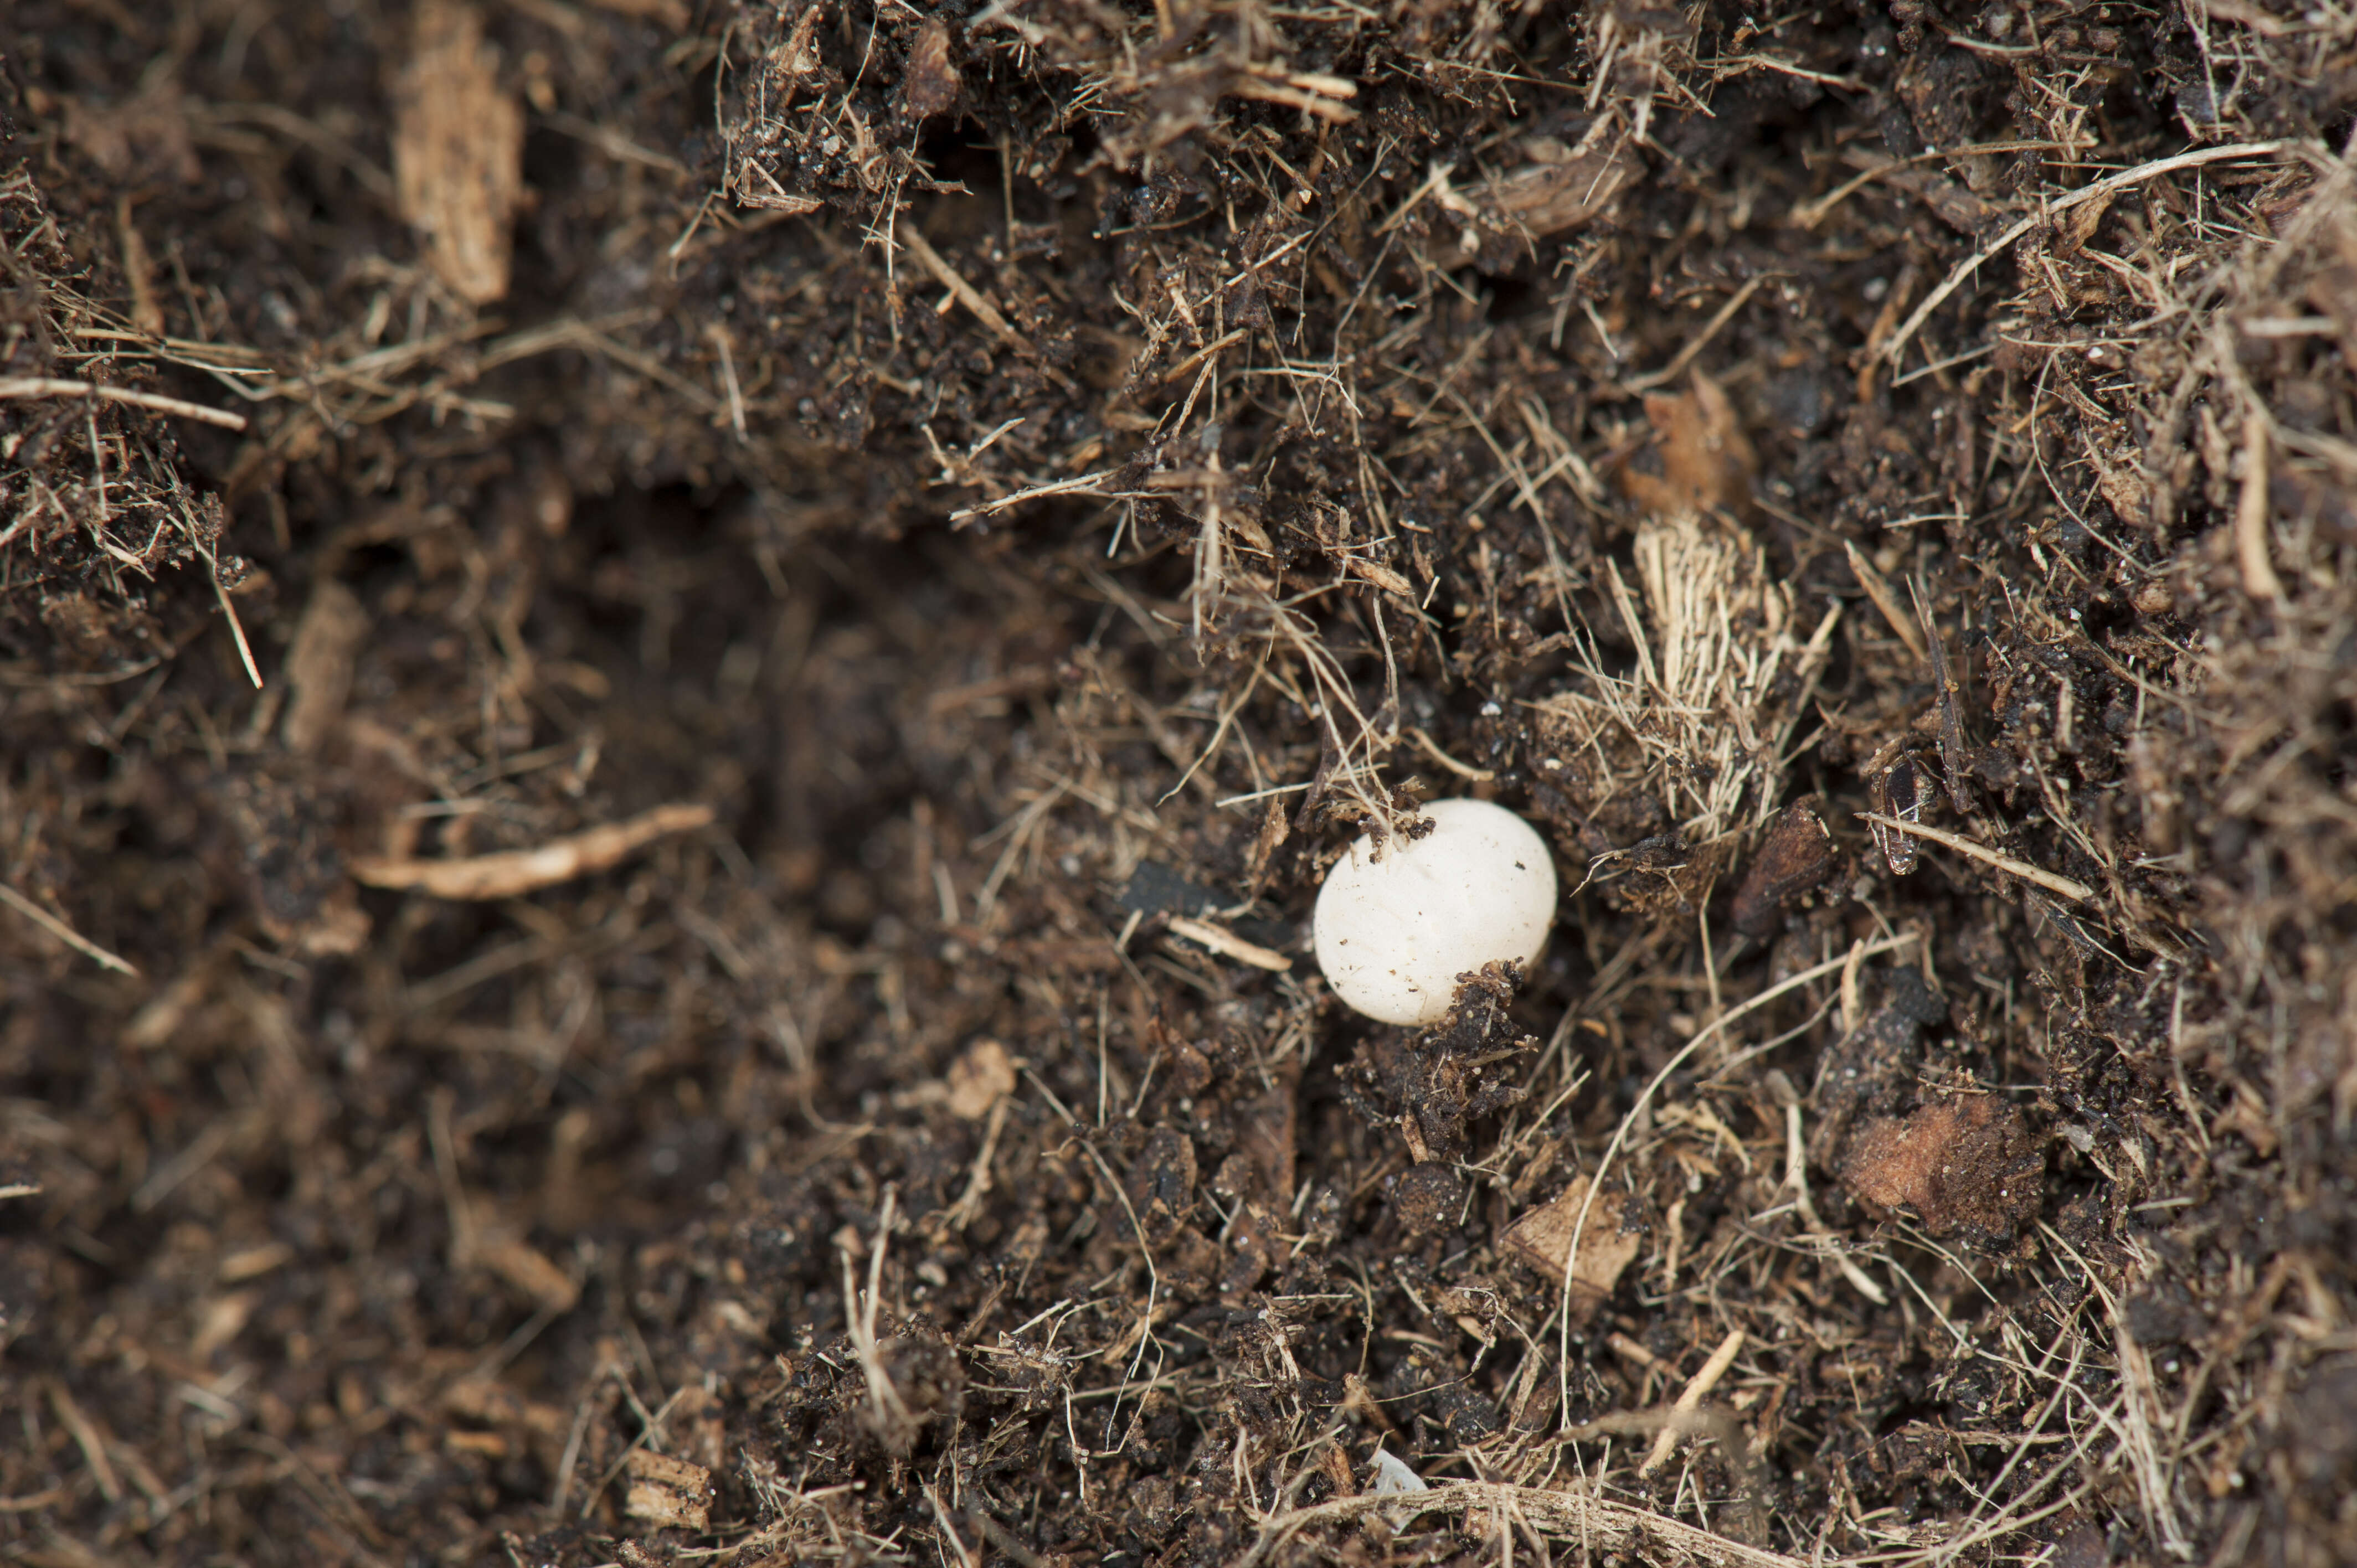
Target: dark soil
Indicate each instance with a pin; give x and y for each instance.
(675, 678)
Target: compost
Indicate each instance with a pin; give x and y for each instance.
(675, 678)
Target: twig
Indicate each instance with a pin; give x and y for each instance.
(2053, 882)
(719, 336)
(1695, 344)
(63, 933)
(1692, 1396)
(236, 626)
(87, 1439)
(1060, 488)
(1952, 724)
(613, 143)
(1221, 941)
(1884, 599)
(1200, 354)
(1809, 214)
(2101, 188)
(1613, 1528)
(1005, 1539)
(977, 1181)
(50, 386)
(516, 872)
(888, 1412)
(2259, 579)
(1796, 1167)
(1462, 769)
(975, 302)
(1645, 1098)
(1635, 1352)
(949, 1531)
(572, 1456)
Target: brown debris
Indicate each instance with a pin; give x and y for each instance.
(1543, 1238)
(1705, 459)
(458, 150)
(929, 83)
(665, 1492)
(1560, 189)
(320, 665)
(1427, 1200)
(527, 1269)
(1431, 1085)
(672, 14)
(979, 1079)
(1969, 1164)
(1793, 858)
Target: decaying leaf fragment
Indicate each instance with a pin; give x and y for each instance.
(1794, 858)
(1704, 460)
(458, 151)
(929, 85)
(1561, 188)
(1543, 1238)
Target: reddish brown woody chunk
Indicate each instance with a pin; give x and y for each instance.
(1969, 1166)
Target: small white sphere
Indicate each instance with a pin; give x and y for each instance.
(1393, 934)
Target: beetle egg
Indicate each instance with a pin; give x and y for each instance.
(1393, 934)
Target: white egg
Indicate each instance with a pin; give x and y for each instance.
(1393, 934)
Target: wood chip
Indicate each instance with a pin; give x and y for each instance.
(458, 151)
(489, 1402)
(979, 1079)
(530, 1272)
(2259, 579)
(1793, 858)
(1970, 1164)
(1706, 460)
(516, 871)
(320, 665)
(1542, 1237)
(667, 1492)
(929, 82)
(1383, 577)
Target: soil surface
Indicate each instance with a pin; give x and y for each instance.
(675, 677)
